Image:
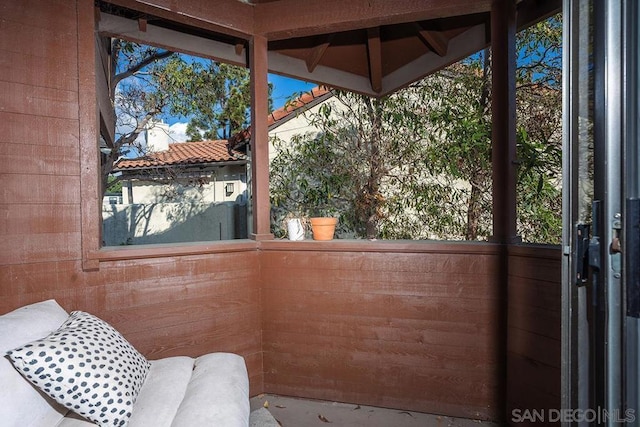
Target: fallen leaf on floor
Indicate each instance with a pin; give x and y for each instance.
(323, 419)
(357, 407)
(405, 412)
(266, 404)
(280, 406)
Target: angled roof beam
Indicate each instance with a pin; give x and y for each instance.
(316, 54)
(116, 26)
(375, 58)
(433, 39)
(292, 18)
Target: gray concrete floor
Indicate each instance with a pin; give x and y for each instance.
(294, 412)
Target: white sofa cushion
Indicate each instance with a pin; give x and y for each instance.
(218, 393)
(87, 366)
(23, 404)
(178, 391)
(212, 390)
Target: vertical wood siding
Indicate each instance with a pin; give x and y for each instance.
(534, 323)
(416, 331)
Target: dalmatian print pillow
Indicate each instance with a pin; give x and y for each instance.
(87, 366)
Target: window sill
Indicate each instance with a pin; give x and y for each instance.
(395, 246)
(117, 253)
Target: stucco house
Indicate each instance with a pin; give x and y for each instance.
(178, 192)
(209, 179)
(286, 121)
(203, 171)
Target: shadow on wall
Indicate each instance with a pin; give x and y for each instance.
(142, 224)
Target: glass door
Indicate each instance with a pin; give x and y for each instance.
(601, 289)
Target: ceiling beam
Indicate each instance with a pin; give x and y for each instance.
(294, 18)
(530, 12)
(316, 54)
(230, 17)
(459, 47)
(374, 49)
(176, 41)
(434, 40)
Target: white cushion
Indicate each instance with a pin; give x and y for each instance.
(218, 393)
(87, 366)
(210, 390)
(220, 396)
(23, 404)
(162, 392)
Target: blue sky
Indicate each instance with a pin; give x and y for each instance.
(283, 88)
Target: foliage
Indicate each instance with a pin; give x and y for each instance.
(341, 167)
(314, 188)
(215, 95)
(459, 146)
(417, 164)
(114, 186)
(539, 119)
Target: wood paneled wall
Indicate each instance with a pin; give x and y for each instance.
(414, 327)
(534, 327)
(411, 330)
(165, 306)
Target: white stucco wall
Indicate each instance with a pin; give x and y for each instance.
(210, 189)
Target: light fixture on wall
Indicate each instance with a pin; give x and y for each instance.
(228, 188)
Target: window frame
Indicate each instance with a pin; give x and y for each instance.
(89, 121)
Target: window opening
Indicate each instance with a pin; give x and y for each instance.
(168, 174)
(417, 164)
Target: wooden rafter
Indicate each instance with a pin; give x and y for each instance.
(239, 48)
(375, 58)
(435, 40)
(142, 24)
(316, 54)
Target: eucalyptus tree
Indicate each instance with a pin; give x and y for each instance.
(417, 164)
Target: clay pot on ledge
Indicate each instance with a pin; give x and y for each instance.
(323, 228)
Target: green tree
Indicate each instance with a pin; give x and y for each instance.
(214, 95)
(417, 164)
(148, 83)
(539, 118)
(347, 165)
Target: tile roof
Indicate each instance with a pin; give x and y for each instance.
(183, 153)
(284, 113)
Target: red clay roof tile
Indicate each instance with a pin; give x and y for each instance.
(183, 153)
(282, 113)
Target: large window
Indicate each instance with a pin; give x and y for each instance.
(168, 174)
(417, 164)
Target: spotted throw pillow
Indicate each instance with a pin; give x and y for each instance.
(87, 366)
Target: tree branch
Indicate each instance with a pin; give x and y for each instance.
(132, 70)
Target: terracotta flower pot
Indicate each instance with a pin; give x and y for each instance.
(323, 228)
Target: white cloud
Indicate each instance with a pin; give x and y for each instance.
(178, 132)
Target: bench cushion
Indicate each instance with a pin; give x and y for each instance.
(212, 390)
(22, 403)
(178, 391)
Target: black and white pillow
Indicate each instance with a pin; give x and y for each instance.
(87, 366)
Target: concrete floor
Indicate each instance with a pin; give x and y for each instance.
(294, 412)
